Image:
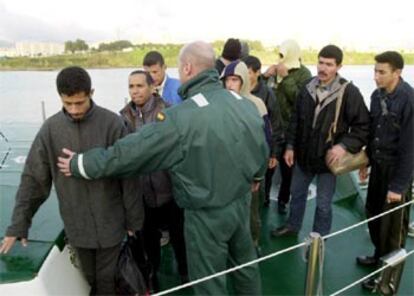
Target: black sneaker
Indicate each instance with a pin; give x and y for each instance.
(283, 231)
(370, 284)
(368, 261)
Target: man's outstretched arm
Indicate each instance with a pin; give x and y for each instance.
(155, 147)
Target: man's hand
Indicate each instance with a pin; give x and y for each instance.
(363, 174)
(282, 70)
(272, 163)
(271, 71)
(289, 157)
(64, 162)
(393, 197)
(255, 186)
(335, 154)
(8, 243)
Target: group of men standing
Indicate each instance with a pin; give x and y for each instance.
(195, 166)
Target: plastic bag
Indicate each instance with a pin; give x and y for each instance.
(128, 277)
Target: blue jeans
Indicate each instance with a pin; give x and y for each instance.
(325, 184)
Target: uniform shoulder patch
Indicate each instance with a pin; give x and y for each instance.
(160, 116)
(200, 100)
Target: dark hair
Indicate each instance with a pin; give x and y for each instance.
(332, 52)
(147, 75)
(152, 58)
(232, 49)
(393, 58)
(73, 80)
(253, 63)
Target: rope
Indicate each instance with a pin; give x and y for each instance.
(224, 272)
(368, 276)
(368, 220)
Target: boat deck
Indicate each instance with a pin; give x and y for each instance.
(281, 275)
(285, 274)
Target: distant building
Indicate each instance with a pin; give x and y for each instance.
(38, 49)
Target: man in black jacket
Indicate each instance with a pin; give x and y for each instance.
(96, 214)
(261, 90)
(391, 153)
(308, 144)
(156, 188)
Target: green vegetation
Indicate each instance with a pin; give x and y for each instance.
(111, 56)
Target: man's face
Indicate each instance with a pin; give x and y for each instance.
(77, 105)
(385, 76)
(139, 90)
(157, 73)
(253, 76)
(233, 83)
(327, 69)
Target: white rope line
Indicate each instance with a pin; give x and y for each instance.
(224, 272)
(367, 220)
(230, 270)
(367, 277)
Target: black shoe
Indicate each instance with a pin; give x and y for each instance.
(281, 208)
(283, 231)
(370, 284)
(369, 261)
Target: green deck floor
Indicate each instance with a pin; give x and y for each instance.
(285, 274)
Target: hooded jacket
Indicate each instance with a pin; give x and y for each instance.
(287, 88)
(96, 214)
(239, 68)
(156, 187)
(212, 143)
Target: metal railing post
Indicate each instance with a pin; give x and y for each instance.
(314, 258)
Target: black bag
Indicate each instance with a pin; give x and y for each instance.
(128, 277)
(137, 246)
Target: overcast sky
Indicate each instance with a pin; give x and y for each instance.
(361, 24)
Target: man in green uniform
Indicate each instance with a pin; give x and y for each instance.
(215, 149)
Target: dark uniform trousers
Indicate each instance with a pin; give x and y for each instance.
(389, 232)
(217, 239)
(99, 267)
(171, 216)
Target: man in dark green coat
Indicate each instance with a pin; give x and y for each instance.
(214, 146)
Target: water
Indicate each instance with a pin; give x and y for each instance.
(21, 92)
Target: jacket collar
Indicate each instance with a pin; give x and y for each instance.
(332, 88)
(396, 91)
(197, 84)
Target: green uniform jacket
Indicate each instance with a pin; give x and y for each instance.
(212, 143)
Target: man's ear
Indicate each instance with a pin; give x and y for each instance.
(91, 92)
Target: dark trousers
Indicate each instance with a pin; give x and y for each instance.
(99, 266)
(389, 232)
(286, 173)
(155, 218)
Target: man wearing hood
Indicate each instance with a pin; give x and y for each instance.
(236, 79)
(286, 78)
(213, 145)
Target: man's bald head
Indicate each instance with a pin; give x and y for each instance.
(194, 58)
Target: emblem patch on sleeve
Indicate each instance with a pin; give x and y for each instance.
(160, 116)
